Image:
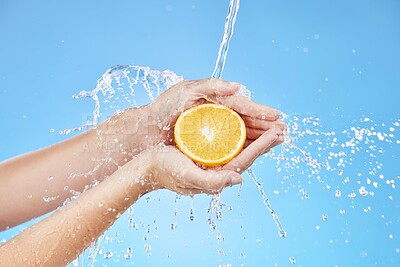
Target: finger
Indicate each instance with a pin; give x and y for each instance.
(211, 181)
(279, 141)
(213, 88)
(253, 134)
(260, 146)
(262, 124)
(248, 142)
(245, 106)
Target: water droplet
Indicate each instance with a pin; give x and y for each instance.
(29, 196)
(366, 209)
(52, 130)
(147, 248)
(338, 193)
(324, 217)
(305, 194)
(191, 215)
(317, 227)
(108, 255)
(282, 233)
(128, 254)
(50, 178)
(220, 252)
(292, 260)
(173, 226)
(352, 195)
(218, 214)
(362, 191)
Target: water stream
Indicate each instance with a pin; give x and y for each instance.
(217, 73)
(226, 38)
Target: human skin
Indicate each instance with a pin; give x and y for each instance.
(61, 237)
(76, 163)
(153, 163)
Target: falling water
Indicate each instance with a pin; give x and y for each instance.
(217, 73)
(226, 38)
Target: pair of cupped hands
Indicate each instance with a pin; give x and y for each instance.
(168, 168)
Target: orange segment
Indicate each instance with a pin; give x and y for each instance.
(210, 134)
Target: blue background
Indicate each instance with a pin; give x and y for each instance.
(336, 60)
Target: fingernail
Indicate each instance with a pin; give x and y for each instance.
(239, 86)
(235, 83)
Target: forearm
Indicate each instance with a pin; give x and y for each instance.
(61, 237)
(41, 181)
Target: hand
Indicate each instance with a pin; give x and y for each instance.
(255, 148)
(167, 107)
(153, 124)
(169, 169)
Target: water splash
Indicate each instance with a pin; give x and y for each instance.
(121, 87)
(333, 151)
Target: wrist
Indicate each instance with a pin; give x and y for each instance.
(139, 128)
(128, 133)
(143, 178)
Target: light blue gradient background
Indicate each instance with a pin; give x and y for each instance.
(337, 60)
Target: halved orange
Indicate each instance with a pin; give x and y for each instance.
(210, 134)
